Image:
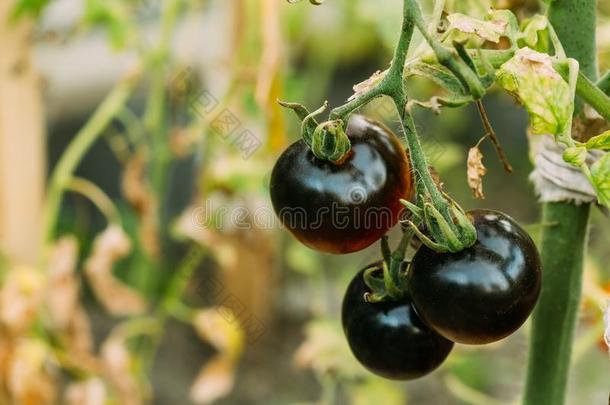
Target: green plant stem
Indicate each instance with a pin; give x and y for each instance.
(447, 57)
(393, 86)
(154, 116)
(589, 91)
(563, 246)
(78, 147)
(604, 83)
(97, 196)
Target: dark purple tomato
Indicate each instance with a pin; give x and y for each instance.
(389, 338)
(343, 208)
(483, 293)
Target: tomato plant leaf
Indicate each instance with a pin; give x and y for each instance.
(600, 177)
(601, 141)
(438, 74)
(531, 78)
(534, 33)
(497, 24)
(113, 15)
(28, 7)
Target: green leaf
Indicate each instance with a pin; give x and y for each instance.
(438, 74)
(533, 32)
(28, 7)
(601, 141)
(531, 78)
(576, 155)
(600, 178)
(114, 16)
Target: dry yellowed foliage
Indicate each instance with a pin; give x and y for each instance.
(476, 171)
(116, 297)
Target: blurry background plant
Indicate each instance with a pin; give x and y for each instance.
(152, 269)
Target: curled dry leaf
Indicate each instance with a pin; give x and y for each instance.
(62, 289)
(116, 297)
(118, 369)
(139, 194)
(20, 298)
(368, 84)
(79, 334)
(214, 381)
(476, 171)
(220, 328)
(29, 380)
(91, 391)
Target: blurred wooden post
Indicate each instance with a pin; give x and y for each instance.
(22, 159)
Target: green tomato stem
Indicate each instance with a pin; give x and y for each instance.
(563, 245)
(78, 147)
(446, 56)
(562, 249)
(604, 83)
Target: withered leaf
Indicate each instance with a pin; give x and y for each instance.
(476, 171)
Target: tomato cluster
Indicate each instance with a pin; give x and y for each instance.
(478, 295)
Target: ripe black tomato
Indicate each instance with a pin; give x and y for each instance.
(343, 208)
(483, 293)
(389, 338)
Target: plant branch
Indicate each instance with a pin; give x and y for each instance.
(489, 132)
(604, 83)
(78, 147)
(447, 57)
(97, 196)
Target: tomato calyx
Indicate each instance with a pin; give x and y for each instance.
(390, 284)
(327, 140)
(449, 230)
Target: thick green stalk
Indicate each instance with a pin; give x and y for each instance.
(564, 238)
(563, 247)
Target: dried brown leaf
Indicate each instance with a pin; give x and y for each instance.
(116, 297)
(138, 193)
(79, 334)
(28, 380)
(91, 391)
(215, 380)
(219, 327)
(368, 84)
(476, 171)
(118, 365)
(20, 298)
(62, 286)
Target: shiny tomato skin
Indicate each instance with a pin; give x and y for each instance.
(483, 293)
(389, 338)
(343, 208)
